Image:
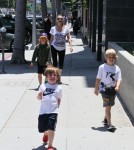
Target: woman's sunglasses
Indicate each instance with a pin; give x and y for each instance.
(59, 18)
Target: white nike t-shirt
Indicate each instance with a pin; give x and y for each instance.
(109, 76)
(49, 102)
(59, 40)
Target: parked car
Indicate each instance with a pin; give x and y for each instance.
(9, 23)
(39, 21)
(9, 37)
(8, 42)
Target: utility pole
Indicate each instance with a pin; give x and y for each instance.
(34, 26)
(94, 26)
(100, 28)
(53, 11)
(91, 22)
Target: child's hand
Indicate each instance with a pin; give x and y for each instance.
(96, 92)
(39, 96)
(116, 88)
(71, 49)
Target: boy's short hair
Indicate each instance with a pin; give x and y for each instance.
(50, 70)
(111, 52)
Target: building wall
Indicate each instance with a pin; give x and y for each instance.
(85, 23)
(120, 20)
(126, 63)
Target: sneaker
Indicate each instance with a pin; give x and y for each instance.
(50, 148)
(45, 138)
(105, 122)
(110, 128)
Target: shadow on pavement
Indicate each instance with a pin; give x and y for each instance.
(35, 89)
(81, 63)
(42, 147)
(103, 129)
(17, 68)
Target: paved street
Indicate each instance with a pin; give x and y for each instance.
(81, 113)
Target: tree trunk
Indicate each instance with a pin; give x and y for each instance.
(58, 4)
(19, 41)
(53, 11)
(44, 8)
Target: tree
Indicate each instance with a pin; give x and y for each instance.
(53, 11)
(58, 4)
(19, 41)
(44, 8)
(7, 3)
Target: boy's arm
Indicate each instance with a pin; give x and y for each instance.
(39, 96)
(118, 85)
(96, 91)
(40, 93)
(118, 81)
(59, 100)
(34, 57)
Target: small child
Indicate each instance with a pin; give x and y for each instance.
(108, 82)
(50, 94)
(42, 53)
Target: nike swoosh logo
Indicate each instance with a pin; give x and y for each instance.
(47, 93)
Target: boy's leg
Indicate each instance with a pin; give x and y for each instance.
(40, 73)
(59, 81)
(46, 133)
(51, 128)
(50, 138)
(40, 78)
(108, 102)
(108, 114)
(45, 137)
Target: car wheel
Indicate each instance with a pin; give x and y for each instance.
(12, 46)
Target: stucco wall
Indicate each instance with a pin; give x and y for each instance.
(126, 63)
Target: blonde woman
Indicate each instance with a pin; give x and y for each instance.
(59, 32)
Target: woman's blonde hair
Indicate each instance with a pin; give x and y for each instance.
(110, 52)
(50, 70)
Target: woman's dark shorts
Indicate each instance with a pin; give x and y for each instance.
(47, 122)
(108, 100)
(41, 69)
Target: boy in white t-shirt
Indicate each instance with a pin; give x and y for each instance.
(50, 95)
(108, 82)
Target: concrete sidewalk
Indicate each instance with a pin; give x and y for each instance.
(79, 124)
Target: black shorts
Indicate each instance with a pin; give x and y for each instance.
(47, 122)
(108, 100)
(40, 69)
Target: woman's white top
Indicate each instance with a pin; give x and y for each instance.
(59, 40)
